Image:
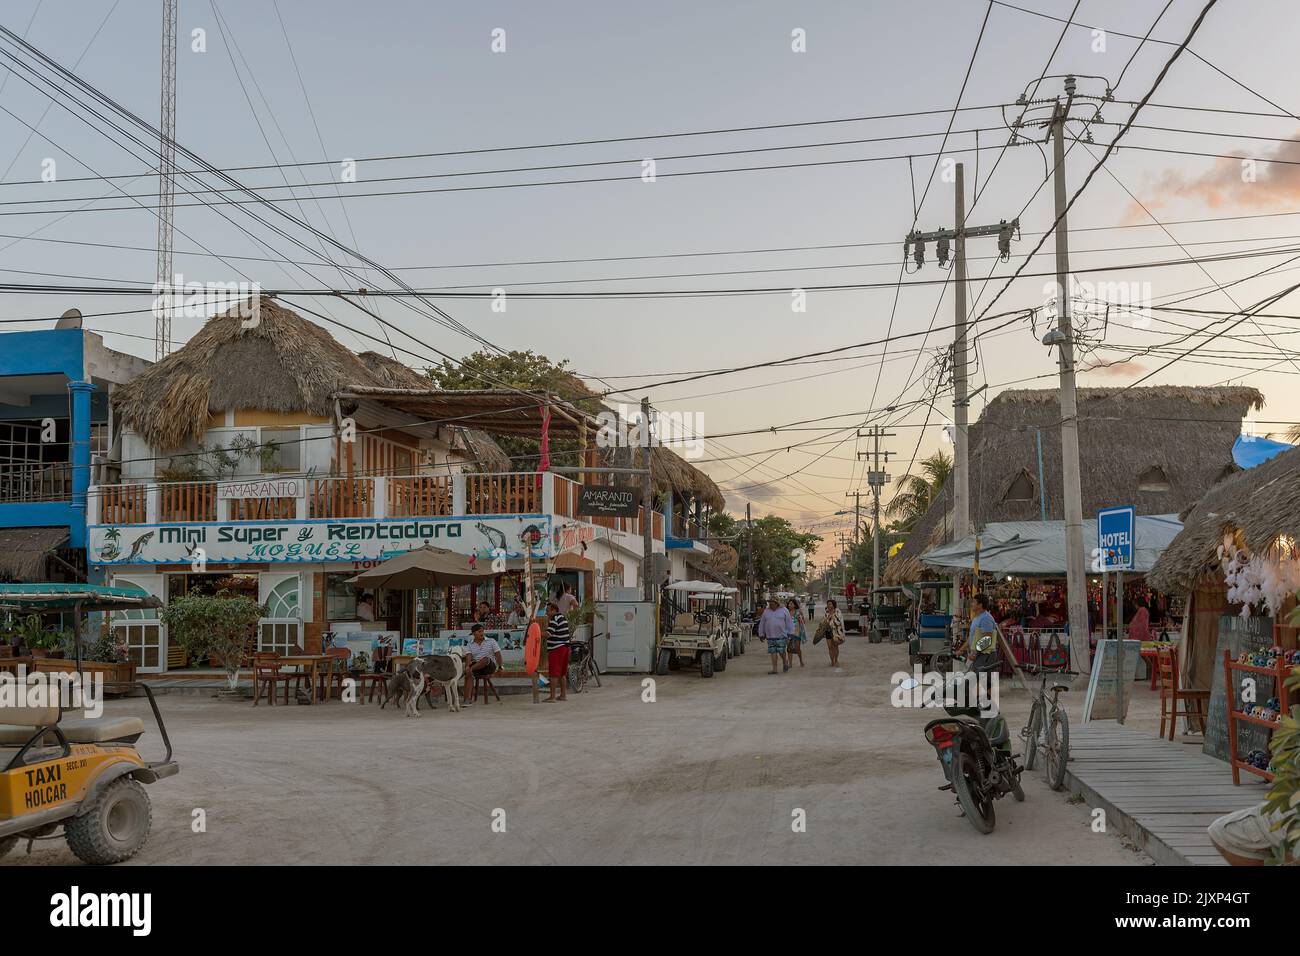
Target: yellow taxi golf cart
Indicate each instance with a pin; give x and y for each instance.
(702, 630)
(81, 774)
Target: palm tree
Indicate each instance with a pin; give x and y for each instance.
(916, 492)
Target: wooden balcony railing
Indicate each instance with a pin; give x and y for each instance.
(399, 497)
(565, 496)
(516, 493)
(187, 501)
(123, 504)
(263, 509)
(342, 498)
(423, 496)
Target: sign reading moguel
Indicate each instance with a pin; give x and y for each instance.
(250, 542)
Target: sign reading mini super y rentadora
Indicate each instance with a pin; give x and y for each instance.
(1116, 538)
(310, 541)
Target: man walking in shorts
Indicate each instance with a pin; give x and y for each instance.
(773, 626)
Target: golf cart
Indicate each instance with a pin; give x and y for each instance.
(930, 634)
(703, 630)
(82, 774)
(850, 610)
(888, 615)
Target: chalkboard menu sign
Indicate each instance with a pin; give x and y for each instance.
(1236, 635)
(609, 501)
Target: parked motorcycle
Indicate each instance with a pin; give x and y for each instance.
(977, 760)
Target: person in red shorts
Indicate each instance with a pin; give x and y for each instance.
(558, 635)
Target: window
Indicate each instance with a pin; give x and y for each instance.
(1022, 489)
(1153, 479)
(282, 602)
(282, 450)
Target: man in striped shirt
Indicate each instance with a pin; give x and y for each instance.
(557, 650)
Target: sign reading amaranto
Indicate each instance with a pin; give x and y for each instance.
(262, 488)
(249, 542)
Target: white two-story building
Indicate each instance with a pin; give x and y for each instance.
(267, 459)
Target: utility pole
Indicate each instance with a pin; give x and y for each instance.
(876, 479)
(915, 246)
(1076, 581)
(749, 556)
(647, 509)
(857, 511)
(166, 183)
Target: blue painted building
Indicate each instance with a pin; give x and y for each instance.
(55, 427)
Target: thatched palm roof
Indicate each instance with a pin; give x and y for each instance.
(285, 363)
(1124, 435)
(282, 364)
(1258, 505)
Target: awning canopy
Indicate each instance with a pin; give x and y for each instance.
(700, 587)
(1037, 548)
(424, 567)
(36, 598)
(23, 550)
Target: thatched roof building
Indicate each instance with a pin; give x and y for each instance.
(1157, 448)
(286, 363)
(1259, 505)
(283, 364)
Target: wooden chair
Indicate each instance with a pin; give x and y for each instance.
(483, 684)
(268, 672)
(336, 670)
(1171, 694)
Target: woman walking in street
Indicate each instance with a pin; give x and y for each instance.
(794, 640)
(832, 629)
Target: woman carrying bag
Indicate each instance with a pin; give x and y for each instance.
(831, 630)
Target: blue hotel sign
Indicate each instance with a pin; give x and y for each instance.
(1116, 538)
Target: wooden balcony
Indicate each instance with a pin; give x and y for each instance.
(123, 504)
(341, 498)
(506, 494)
(420, 496)
(398, 496)
(187, 501)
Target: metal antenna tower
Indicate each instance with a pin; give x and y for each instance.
(166, 182)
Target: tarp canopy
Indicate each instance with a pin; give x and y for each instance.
(700, 587)
(1248, 451)
(1037, 548)
(36, 598)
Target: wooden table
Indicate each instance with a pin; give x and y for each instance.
(309, 663)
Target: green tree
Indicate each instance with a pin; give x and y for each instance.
(218, 625)
(776, 544)
(916, 491)
(531, 372)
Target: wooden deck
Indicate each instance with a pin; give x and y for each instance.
(1162, 794)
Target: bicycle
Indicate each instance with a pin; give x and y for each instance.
(582, 666)
(1048, 721)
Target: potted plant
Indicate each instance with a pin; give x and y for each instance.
(216, 625)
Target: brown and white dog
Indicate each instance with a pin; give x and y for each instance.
(405, 687)
(445, 671)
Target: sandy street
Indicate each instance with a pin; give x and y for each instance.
(712, 772)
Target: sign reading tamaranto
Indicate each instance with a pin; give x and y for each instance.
(362, 539)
